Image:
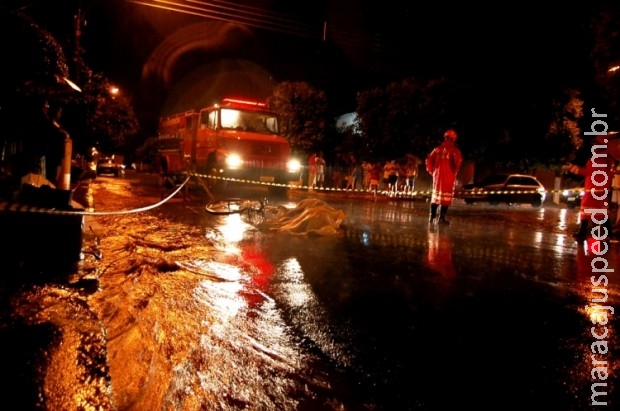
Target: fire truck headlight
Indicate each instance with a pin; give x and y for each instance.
(293, 166)
(234, 161)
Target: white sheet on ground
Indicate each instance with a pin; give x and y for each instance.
(309, 216)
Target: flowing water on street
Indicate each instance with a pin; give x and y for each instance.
(191, 311)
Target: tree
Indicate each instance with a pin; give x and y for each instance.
(408, 116)
(372, 106)
(519, 127)
(303, 114)
(33, 80)
(101, 118)
(35, 74)
(37, 61)
(39, 75)
(531, 127)
(564, 136)
(605, 31)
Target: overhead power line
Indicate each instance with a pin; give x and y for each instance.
(266, 20)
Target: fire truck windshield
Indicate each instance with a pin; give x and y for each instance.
(247, 120)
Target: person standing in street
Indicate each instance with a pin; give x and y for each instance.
(375, 177)
(390, 174)
(410, 173)
(320, 166)
(312, 171)
(443, 164)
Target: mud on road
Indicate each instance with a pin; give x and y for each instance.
(150, 319)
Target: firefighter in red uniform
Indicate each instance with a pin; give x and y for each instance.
(443, 163)
(599, 172)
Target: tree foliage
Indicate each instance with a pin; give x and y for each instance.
(563, 138)
(101, 118)
(35, 73)
(38, 75)
(527, 128)
(303, 114)
(605, 54)
(515, 127)
(409, 116)
(37, 61)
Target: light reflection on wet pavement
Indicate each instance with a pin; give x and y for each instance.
(208, 312)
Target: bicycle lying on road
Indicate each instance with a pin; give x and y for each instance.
(255, 211)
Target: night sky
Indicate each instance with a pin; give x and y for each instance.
(391, 39)
(342, 46)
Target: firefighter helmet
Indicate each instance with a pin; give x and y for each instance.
(450, 134)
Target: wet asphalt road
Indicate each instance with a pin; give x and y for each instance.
(189, 311)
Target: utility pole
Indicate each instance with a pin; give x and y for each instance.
(82, 74)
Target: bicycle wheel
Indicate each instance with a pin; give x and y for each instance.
(226, 206)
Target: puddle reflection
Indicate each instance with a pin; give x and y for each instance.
(371, 303)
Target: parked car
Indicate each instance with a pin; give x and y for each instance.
(572, 196)
(572, 190)
(504, 188)
(106, 165)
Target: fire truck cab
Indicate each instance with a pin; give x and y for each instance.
(237, 139)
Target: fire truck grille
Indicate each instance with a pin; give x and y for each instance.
(265, 163)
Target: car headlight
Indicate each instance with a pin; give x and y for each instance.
(565, 193)
(293, 166)
(234, 161)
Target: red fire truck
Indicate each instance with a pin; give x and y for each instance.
(235, 139)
